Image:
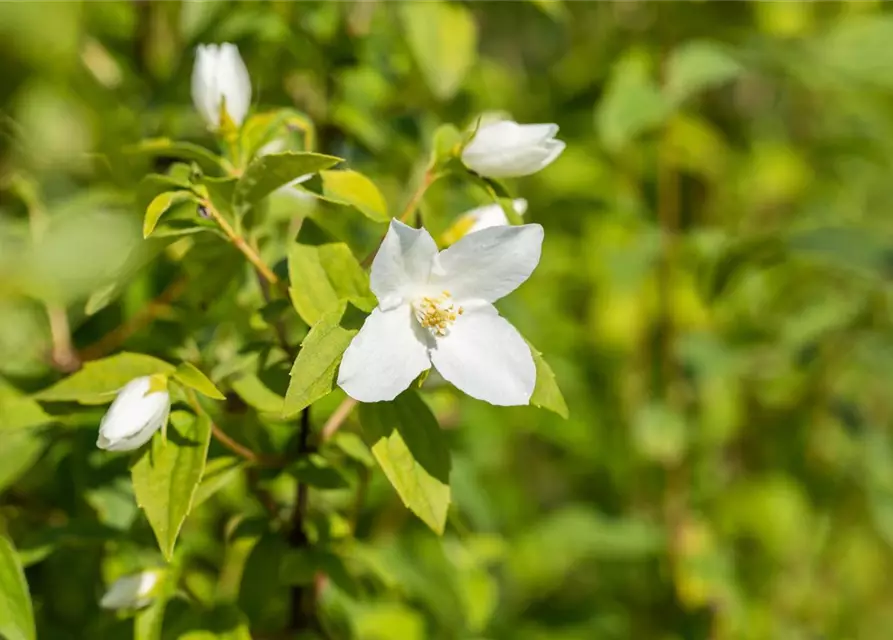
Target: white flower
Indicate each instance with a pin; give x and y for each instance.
(490, 215)
(220, 75)
(436, 309)
(506, 149)
(134, 416)
(131, 592)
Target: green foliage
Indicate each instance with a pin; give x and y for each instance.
(412, 451)
(99, 380)
(166, 476)
(16, 616)
(715, 456)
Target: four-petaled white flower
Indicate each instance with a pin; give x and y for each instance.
(134, 417)
(436, 309)
(220, 77)
(506, 149)
(489, 215)
(131, 592)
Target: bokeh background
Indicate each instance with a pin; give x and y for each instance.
(713, 297)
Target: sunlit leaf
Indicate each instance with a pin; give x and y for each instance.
(16, 615)
(414, 454)
(160, 205)
(99, 380)
(546, 393)
(166, 476)
(267, 173)
(354, 189)
(322, 276)
(190, 376)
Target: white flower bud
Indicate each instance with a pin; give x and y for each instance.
(490, 215)
(219, 76)
(506, 149)
(134, 416)
(131, 592)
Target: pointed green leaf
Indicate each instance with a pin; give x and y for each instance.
(414, 454)
(185, 150)
(160, 205)
(443, 38)
(166, 476)
(356, 190)
(324, 275)
(313, 374)
(698, 66)
(220, 192)
(190, 376)
(99, 380)
(258, 395)
(546, 393)
(16, 614)
(267, 173)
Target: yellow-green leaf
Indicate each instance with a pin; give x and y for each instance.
(322, 276)
(414, 454)
(267, 173)
(99, 380)
(258, 395)
(190, 376)
(443, 39)
(546, 393)
(160, 205)
(16, 614)
(313, 373)
(166, 476)
(18, 411)
(356, 190)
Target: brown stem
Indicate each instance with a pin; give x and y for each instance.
(337, 419)
(241, 244)
(302, 598)
(112, 340)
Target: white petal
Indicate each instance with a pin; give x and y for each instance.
(133, 417)
(130, 592)
(205, 95)
(402, 263)
(499, 136)
(234, 82)
(485, 356)
(385, 357)
(488, 264)
(491, 215)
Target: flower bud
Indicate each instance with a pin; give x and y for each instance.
(490, 215)
(506, 149)
(220, 77)
(131, 592)
(134, 417)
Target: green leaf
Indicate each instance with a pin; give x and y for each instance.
(318, 472)
(698, 66)
(322, 276)
(221, 192)
(219, 472)
(443, 38)
(166, 476)
(546, 393)
(414, 454)
(258, 395)
(555, 9)
(313, 373)
(185, 150)
(16, 614)
(356, 190)
(18, 411)
(190, 376)
(99, 380)
(447, 144)
(267, 173)
(20, 450)
(632, 103)
(353, 447)
(264, 128)
(857, 49)
(160, 205)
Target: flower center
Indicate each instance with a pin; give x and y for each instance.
(436, 314)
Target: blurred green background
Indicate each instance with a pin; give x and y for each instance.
(713, 297)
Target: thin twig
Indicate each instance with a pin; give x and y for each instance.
(112, 340)
(337, 419)
(302, 599)
(241, 244)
